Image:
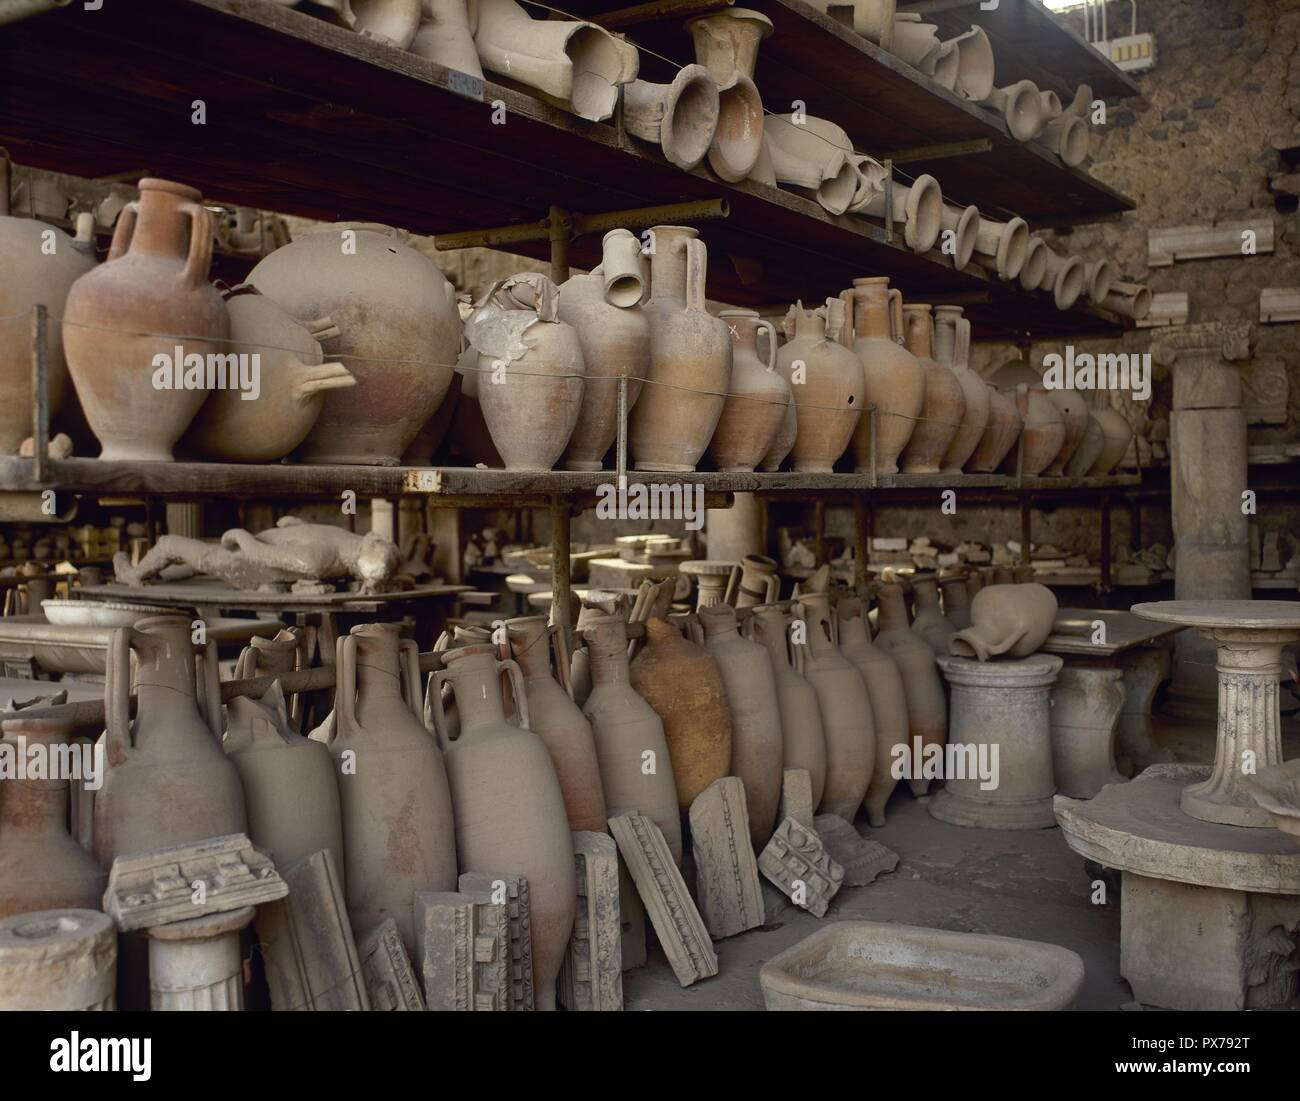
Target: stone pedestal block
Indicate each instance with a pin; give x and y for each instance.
(463, 952)
(1135, 750)
(591, 977)
(196, 964)
(1001, 710)
(1087, 699)
(58, 960)
(726, 874)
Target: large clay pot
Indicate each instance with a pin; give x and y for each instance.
(626, 729)
(927, 709)
(757, 750)
(928, 620)
(166, 780)
(845, 709)
(895, 379)
(1006, 621)
(956, 601)
(945, 402)
(1042, 432)
(1000, 435)
(1074, 416)
(155, 280)
(468, 433)
(888, 702)
(41, 865)
(681, 681)
(557, 720)
(510, 815)
(1117, 435)
(290, 790)
(604, 309)
(399, 335)
(757, 399)
(292, 378)
(827, 382)
(38, 264)
(531, 371)
(398, 835)
(952, 350)
(690, 358)
(803, 742)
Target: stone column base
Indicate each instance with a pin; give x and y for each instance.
(1035, 814)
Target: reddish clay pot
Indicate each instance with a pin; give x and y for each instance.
(827, 382)
(757, 400)
(1000, 435)
(945, 403)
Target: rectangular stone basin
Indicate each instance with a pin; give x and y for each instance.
(863, 965)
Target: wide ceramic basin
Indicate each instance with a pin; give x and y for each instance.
(863, 965)
(94, 613)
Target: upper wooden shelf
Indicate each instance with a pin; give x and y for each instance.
(306, 118)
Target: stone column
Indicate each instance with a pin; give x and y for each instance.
(735, 532)
(1208, 477)
(1086, 703)
(1001, 717)
(195, 964)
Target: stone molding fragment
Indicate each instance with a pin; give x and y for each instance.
(182, 882)
(484, 887)
(676, 921)
(1171, 244)
(386, 971)
(863, 861)
(796, 855)
(463, 949)
(591, 977)
(727, 886)
(796, 796)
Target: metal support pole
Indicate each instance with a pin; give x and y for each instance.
(40, 394)
(561, 593)
(620, 444)
(558, 229)
(1026, 538)
(889, 201)
(819, 532)
(861, 543)
(1105, 542)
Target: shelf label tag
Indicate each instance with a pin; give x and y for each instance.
(421, 481)
(471, 87)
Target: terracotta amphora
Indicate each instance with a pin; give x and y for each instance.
(1074, 416)
(952, 350)
(1117, 435)
(888, 701)
(510, 815)
(635, 765)
(757, 748)
(140, 391)
(1042, 433)
(690, 358)
(827, 382)
(956, 600)
(604, 309)
(290, 789)
(753, 581)
(531, 371)
(757, 399)
(783, 441)
(945, 402)
(927, 708)
(468, 432)
(166, 780)
(847, 722)
(398, 836)
(802, 738)
(928, 619)
(445, 37)
(38, 265)
(399, 335)
(41, 865)
(292, 380)
(681, 681)
(895, 379)
(1000, 435)
(559, 722)
(1088, 451)
(1006, 621)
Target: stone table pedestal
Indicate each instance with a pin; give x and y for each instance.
(196, 965)
(1144, 669)
(1001, 716)
(1086, 703)
(1209, 913)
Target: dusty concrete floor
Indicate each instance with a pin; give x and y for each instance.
(1022, 884)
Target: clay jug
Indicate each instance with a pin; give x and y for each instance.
(291, 381)
(928, 620)
(681, 681)
(945, 403)
(803, 742)
(625, 728)
(510, 815)
(952, 350)
(1042, 432)
(888, 701)
(1074, 416)
(41, 865)
(927, 709)
(827, 382)
(398, 836)
(895, 379)
(757, 750)
(690, 358)
(956, 601)
(1006, 620)
(757, 399)
(38, 264)
(399, 335)
(847, 722)
(166, 780)
(531, 371)
(290, 790)
(557, 720)
(155, 280)
(753, 581)
(605, 311)
(1000, 435)
(1117, 435)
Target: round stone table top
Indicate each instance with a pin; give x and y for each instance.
(1139, 827)
(703, 567)
(1245, 615)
